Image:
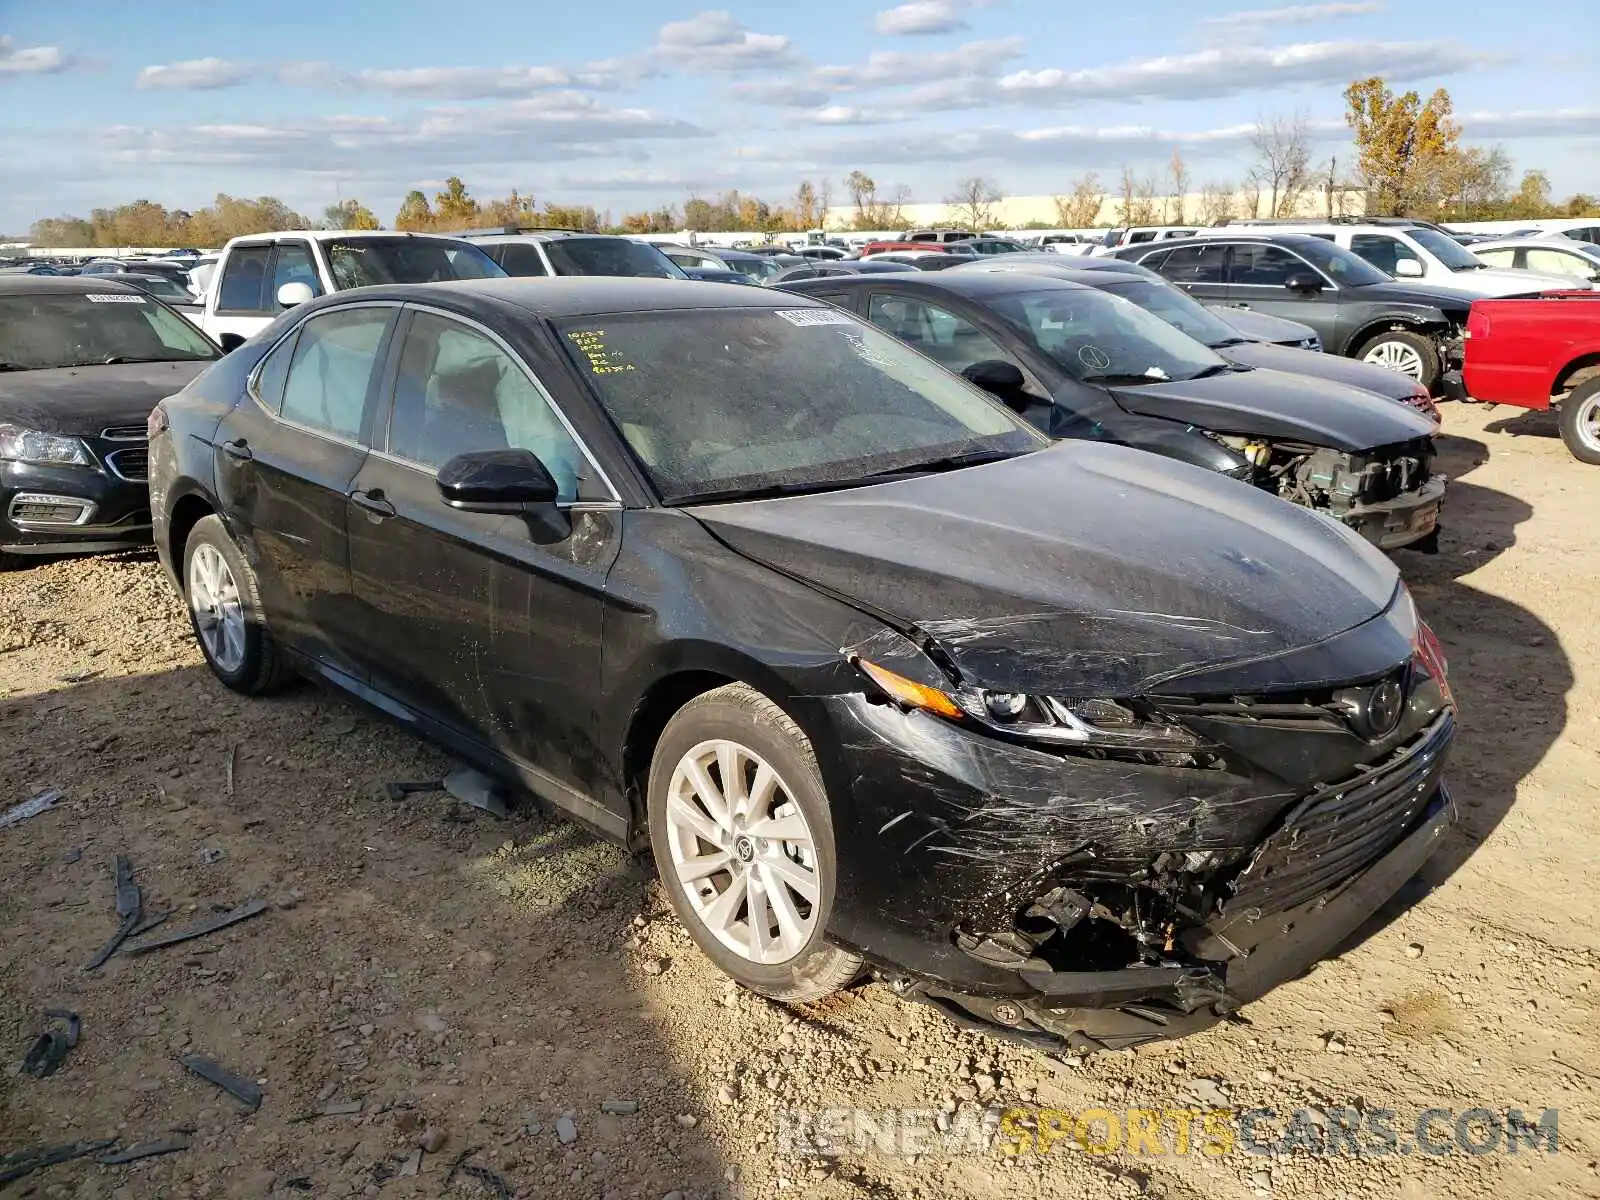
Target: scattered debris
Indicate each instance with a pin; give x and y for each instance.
(149, 923)
(687, 1120)
(1414, 950)
(43, 802)
(478, 790)
(566, 1130)
(73, 855)
(1208, 1092)
(433, 1139)
(341, 1108)
(407, 1121)
(80, 676)
(497, 1185)
(200, 928)
(619, 1108)
(399, 791)
(242, 1090)
(432, 1022)
(1333, 1043)
(232, 766)
(412, 1165)
(25, 1162)
(143, 1150)
(654, 966)
(211, 855)
(130, 907)
(50, 1048)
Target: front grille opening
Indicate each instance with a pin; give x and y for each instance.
(44, 512)
(124, 433)
(132, 464)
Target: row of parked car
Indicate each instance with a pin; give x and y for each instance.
(1020, 632)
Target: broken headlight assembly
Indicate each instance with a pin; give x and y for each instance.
(1096, 726)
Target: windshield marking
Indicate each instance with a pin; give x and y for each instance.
(591, 343)
(803, 317)
(108, 298)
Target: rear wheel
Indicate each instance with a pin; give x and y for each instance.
(743, 840)
(225, 610)
(1580, 421)
(1411, 354)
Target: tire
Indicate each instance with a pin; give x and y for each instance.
(1395, 346)
(1580, 421)
(250, 662)
(738, 726)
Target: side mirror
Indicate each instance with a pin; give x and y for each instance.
(995, 375)
(511, 482)
(290, 295)
(1304, 283)
(1408, 268)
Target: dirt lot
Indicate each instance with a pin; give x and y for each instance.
(483, 978)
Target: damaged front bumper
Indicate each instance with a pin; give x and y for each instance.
(1410, 519)
(1162, 898)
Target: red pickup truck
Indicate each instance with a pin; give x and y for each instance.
(1542, 352)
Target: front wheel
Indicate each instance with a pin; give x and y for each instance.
(1580, 421)
(225, 611)
(743, 841)
(1411, 354)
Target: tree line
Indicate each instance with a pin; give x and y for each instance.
(1409, 161)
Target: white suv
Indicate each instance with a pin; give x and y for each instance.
(1418, 251)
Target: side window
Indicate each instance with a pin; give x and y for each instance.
(952, 341)
(457, 391)
(1559, 262)
(1385, 253)
(1154, 261)
(1498, 258)
(1264, 266)
(1194, 264)
(331, 371)
(243, 279)
(1144, 235)
(273, 373)
(521, 259)
(293, 264)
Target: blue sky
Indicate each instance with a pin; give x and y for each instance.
(634, 104)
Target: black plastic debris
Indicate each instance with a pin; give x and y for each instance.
(25, 1162)
(243, 1090)
(80, 676)
(200, 928)
(483, 1175)
(149, 923)
(49, 1049)
(478, 790)
(130, 907)
(43, 802)
(142, 1150)
(404, 788)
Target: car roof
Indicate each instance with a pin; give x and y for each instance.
(561, 296)
(974, 285)
(26, 285)
(1221, 234)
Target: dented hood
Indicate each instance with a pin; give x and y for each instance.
(1085, 568)
(1273, 404)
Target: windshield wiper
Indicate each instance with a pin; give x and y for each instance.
(119, 359)
(1115, 380)
(1218, 369)
(5, 366)
(951, 462)
(1225, 342)
(768, 491)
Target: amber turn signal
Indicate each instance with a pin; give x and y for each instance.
(907, 691)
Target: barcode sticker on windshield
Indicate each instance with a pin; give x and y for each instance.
(813, 316)
(112, 298)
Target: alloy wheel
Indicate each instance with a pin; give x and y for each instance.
(742, 851)
(1586, 422)
(218, 612)
(1396, 356)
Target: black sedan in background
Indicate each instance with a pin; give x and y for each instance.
(853, 649)
(83, 360)
(1155, 295)
(1082, 363)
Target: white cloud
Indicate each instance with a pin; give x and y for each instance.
(439, 83)
(843, 114)
(31, 60)
(891, 68)
(714, 41)
(1227, 71)
(1562, 122)
(194, 75)
(921, 17)
(780, 93)
(1297, 14)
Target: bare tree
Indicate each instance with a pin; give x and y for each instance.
(974, 200)
(1080, 208)
(1217, 203)
(1250, 186)
(1283, 162)
(863, 194)
(1178, 171)
(824, 201)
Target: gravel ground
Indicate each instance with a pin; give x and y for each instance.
(486, 986)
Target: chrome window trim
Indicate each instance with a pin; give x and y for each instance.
(544, 393)
(255, 373)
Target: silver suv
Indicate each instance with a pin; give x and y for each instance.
(528, 252)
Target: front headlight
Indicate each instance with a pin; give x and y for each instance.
(48, 449)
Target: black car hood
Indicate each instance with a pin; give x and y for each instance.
(1420, 295)
(85, 400)
(1332, 367)
(1273, 404)
(1082, 569)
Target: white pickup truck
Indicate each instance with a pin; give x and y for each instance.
(260, 275)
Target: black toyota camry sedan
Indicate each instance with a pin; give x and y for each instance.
(83, 360)
(1069, 739)
(1081, 362)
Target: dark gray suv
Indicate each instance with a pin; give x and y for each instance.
(1357, 310)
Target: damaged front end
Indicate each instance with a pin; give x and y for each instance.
(1388, 494)
(1109, 872)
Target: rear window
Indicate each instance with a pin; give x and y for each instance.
(362, 262)
(609, 256)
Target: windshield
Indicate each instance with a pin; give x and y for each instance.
(1446, 249)
(715, 402)
(159, 285)
(1177, 309)
(1100, 338)
(1344, 267)
(609, 256)
(362, 262)
(79, 330)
